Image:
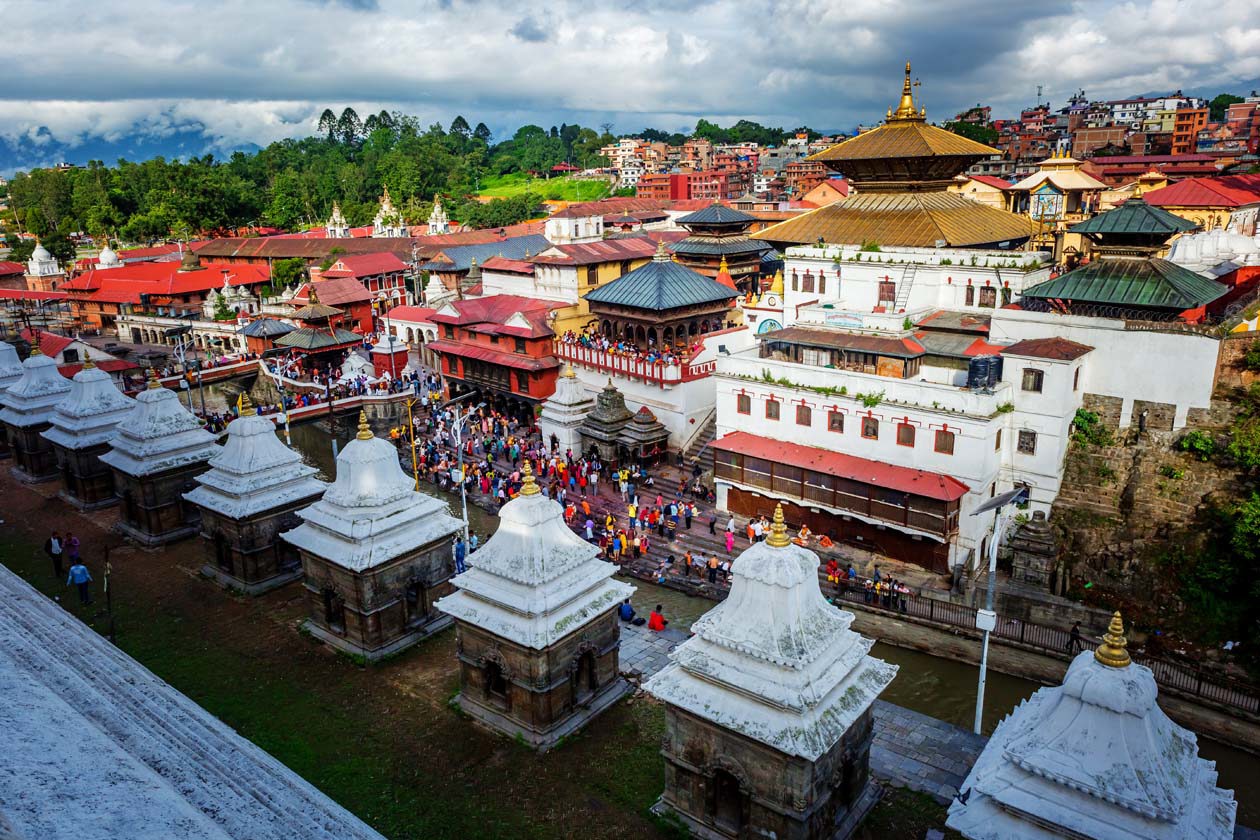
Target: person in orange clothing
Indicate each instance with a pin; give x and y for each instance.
(656, 621)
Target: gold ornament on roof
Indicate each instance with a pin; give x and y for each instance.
(88, 364)
(723, 268)
(905, 108)
(1114, 651)
(35, 351)
(154, 382)
(246, 405)
(365, 431)
(778, 530)
(529, 487)
(569, 373)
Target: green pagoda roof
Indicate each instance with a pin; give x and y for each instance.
(661, 285)
(717, 214)
(310, 338)
(1135, 216)
(1151, 283)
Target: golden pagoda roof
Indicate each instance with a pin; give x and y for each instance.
(928, 153)
(903, 219)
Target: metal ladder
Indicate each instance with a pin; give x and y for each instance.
(904, 287)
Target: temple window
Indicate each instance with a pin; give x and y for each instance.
(1027, 442)
(944, 443)
(743, 404)
(905, 434)
(1033, 380)
(870, 428)
(804, 416)
(520, 345)
(988, 297)
(835, 421)
(772, 409)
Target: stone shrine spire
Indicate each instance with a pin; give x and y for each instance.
(438, 221)
(1095, 757)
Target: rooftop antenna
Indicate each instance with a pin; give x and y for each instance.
(1038, 96)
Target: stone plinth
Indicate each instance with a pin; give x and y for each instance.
(376, 554)
(601, 430)
(80, 429)
(250, 494)
(768, 707)
(563, 412)
(158, 450)
(389, 357)
(1033, 552)
(28, 403)
(537, 631)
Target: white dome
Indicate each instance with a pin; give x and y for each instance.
(40, 252)
(107, 258)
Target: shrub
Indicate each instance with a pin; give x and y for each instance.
(1088, 429)
(1006, 408)
(870, 245)
(1251, 360)
(1169, 471)
(1199, 444)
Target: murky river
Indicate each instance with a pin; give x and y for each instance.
(942, 688)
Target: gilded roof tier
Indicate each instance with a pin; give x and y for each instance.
(906, 219)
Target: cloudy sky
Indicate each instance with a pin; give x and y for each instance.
(106, 78)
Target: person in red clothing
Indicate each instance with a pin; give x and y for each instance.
(656, 621)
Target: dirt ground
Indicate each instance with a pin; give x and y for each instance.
(380, 740)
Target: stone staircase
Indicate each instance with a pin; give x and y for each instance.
(699, 447)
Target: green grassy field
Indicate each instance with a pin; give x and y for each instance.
(566, 188)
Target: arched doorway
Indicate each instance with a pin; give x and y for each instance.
(495, 684)
(585, 677)
(334, 610)
(728, 802)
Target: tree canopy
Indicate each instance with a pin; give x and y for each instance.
(1219, 103)
(985, 134)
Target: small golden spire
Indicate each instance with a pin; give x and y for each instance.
(905, 108)
(88, 364)
(569, 372)
(723, 268)
(154, 382)
(311, 296)
(35, 351)
(365, 431)
(1114, 651)
(776, 285)
(662, 255)
(778, 530)
(529, 487)
(247, 405)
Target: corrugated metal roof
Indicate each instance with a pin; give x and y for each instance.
(459, 258)
(661, 285)
(721, 245)
(1127, 282)
(902, 348)
(1135, 216)
(916, 219)
(717, 214)
(264, 327)
(309, 338)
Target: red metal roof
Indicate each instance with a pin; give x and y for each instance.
(1226, 191)
(485, 354)
(497, 263)
(495, 309)
(334, 291)
(30, 294)
(368, 265)
(1058, 348)
(107, 365)
(602, 251)
(12, 268)
(990, 180)
(164, 278)
(903, 479)
(50, 344)
(411, 313)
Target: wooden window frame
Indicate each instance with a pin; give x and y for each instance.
(906, 426)
(936, 442)
(809, 415)
(832, 417)
(874, 420)
(778, 409)
(743, 404)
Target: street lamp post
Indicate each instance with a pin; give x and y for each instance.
(986, 619)
(457, 432)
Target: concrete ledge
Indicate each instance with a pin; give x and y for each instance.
(437, 625)
(848, 824)
(26, 478)
(258, 588)
(543, 740)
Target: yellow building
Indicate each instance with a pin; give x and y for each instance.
(1058, 195)
(986, 189)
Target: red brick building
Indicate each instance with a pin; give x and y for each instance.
(709, 185)
(801, 176)
(499, 347)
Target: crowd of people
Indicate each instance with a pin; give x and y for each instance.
(593, 340)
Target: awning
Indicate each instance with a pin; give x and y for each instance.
(929, 485)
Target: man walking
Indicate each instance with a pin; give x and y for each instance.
(80, 577)
(1074, 638)
(460, 552)
(53, 548)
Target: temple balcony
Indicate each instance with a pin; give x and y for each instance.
(634, 367)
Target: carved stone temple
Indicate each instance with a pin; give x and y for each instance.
(768, 707)
(81, 427)
(536, 620)
(28, 403)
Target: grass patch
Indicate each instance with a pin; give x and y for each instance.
(564, 188)
(904, 814)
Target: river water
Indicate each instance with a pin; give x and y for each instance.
(941, 688)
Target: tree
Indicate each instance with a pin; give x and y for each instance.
(1220, 103)
(328, 124)
(985, 134)
(482, 133)
(60, 247)
(460, 126)
(349, 127)
(20, 250)
(285, 273)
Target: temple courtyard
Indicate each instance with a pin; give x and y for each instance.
(383, 741)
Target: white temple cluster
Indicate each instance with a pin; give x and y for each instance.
(89, 415)
(563, 412)
(31, 399)
(1095, 757)
(10, 366)
(158, 434)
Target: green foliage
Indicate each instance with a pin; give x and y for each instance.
(1088, 429)
(907, 324)
(1199, 444)
(1251, 360)
(869, 400)
(870, 246)
(1244, 443)
(1169, 471)
(500, 212)
(1219, 104)
(1105, 473)
(333, 254)
(985, 134)
(20, 249)
(1006, 408)
(222, 312)
(286, 273)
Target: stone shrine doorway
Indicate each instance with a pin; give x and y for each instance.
(585, 677)
(334, 610)
(728, 802)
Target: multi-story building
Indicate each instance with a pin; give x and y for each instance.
(801, 176)
(1186, 127)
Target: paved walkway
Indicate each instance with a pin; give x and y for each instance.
(910, 749)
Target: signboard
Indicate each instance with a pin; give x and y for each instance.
(843, 319)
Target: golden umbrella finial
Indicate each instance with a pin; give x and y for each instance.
(905, 108)
(723, 268)
(245, 408)
(1114, 651)
(365, 431)
(35, 351)
(778, 530)
(154, 382)
(569, 373)
(88, 364)
(529, 487)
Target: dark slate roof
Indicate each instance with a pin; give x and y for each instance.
(1137, 217)
(514, 248)
(717, 214)
(661, 285)
(1119, 282)
(265, 328)
(720, 245)
(309, 338)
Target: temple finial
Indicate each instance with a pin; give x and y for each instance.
(365, 431)
(1114, 651)
(529, 487)
(154, 382)
(778, 530)
(246, 406)
(88, 364)
(905, 108)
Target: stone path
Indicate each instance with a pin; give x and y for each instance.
(910, 749)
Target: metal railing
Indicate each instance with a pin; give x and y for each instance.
(1187, 679)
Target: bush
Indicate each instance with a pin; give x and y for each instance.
(1251, 361)
(1169, 471)
(1088, 429)
(1199, 444)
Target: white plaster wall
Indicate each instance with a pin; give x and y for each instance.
(1049, 414)
(1167, 367)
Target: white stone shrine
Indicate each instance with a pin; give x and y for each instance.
(768, 706)
(538, 634)
(10, 373)
(28, 404)
(563, 412)
(1094, 757)
(82, 426)
(250, 493)
(376, 553)
(157, 450)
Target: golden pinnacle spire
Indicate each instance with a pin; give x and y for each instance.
(1114, 651)
(365, 431)
(154, 382)
(723, 268)
(35, 351)
(311, 296)
(529, 487)
(778, 530)
(88, 364)
(905, 108)
(569, 373)
(246, 405)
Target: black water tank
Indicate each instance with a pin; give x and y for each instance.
(984, 372)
